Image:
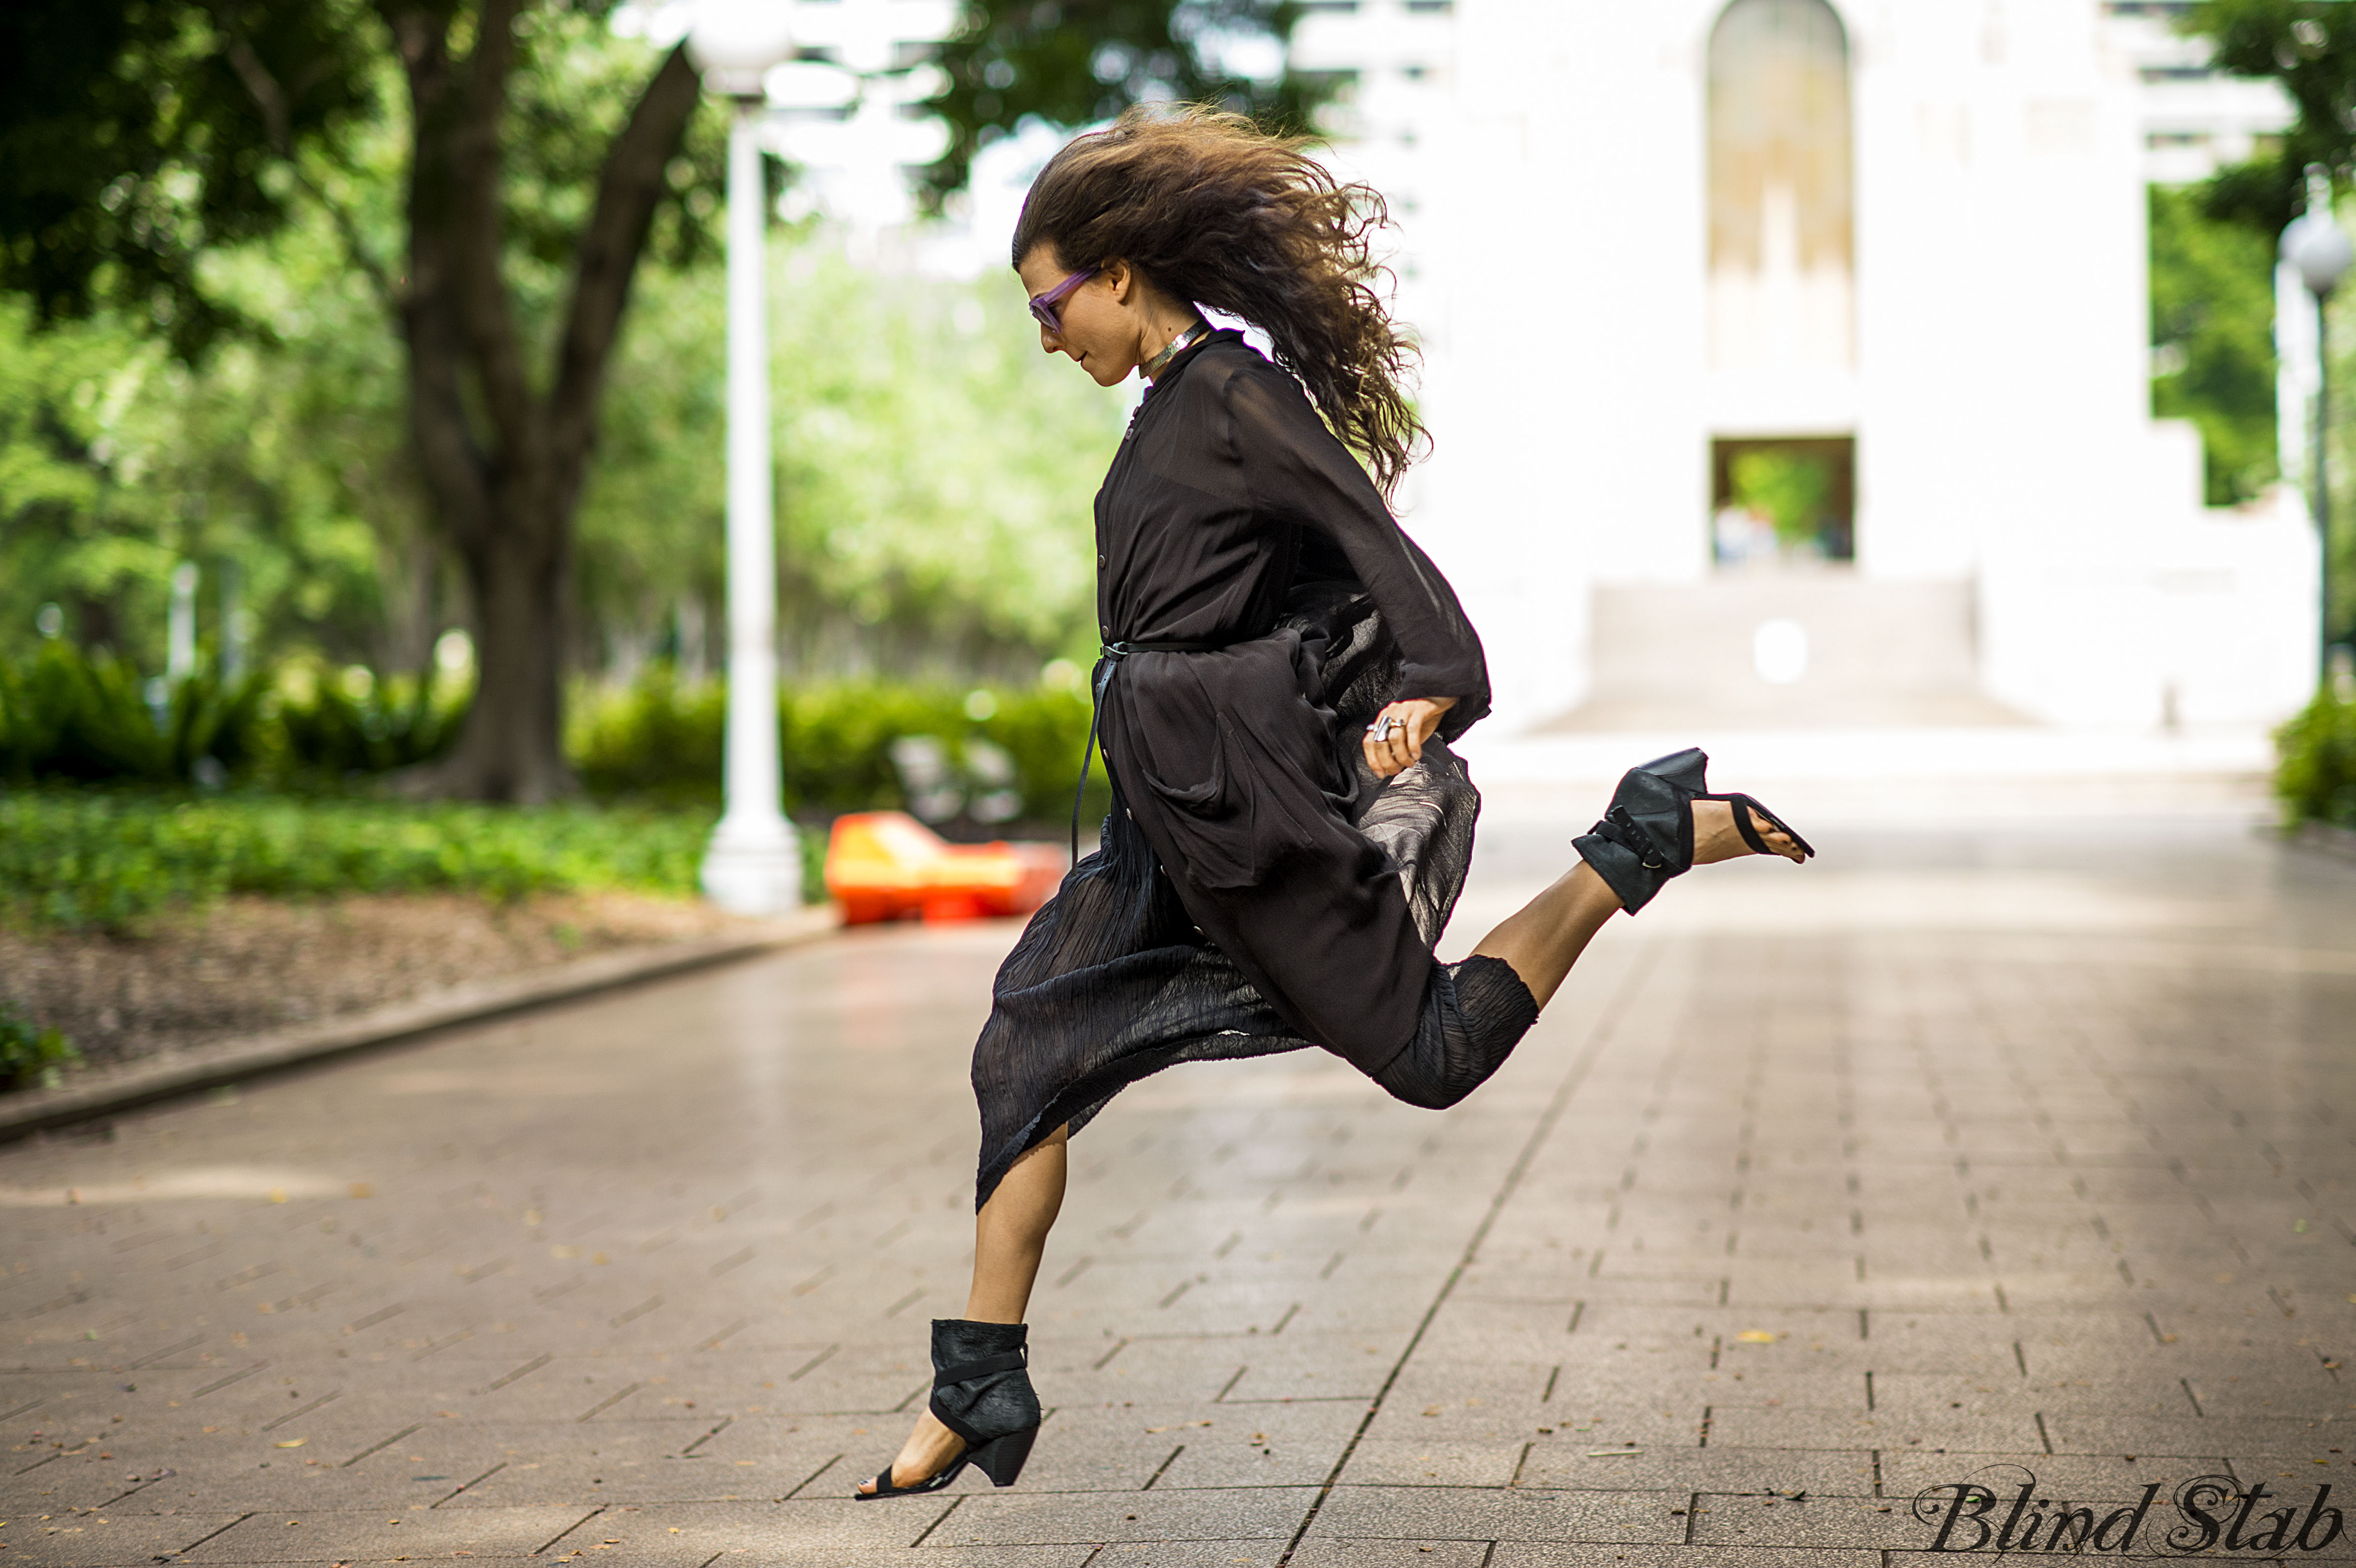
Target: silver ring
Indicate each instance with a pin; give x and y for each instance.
(1384, 725)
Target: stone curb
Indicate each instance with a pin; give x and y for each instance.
(108, 1090)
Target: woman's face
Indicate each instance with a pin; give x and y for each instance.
(1101, 319)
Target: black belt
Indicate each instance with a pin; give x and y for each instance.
(1114, 653)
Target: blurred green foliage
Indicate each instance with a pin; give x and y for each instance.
(112, 808)
(30, 1054)
(1793, 489)
(71, 718)
(85, 858)
(320, 726)
(2307, 47)
(658, 739)
(2212, 320)
(935, 470)
(133, 141)
(1072, 62)
(68, 719)
(280, 468)
(934, 477)
(2315, 773)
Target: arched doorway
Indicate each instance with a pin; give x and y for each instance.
(1781, 233)
(1782, 244)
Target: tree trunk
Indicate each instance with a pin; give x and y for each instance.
(503, 464)
(511, 748)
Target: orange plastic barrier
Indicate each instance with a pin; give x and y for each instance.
(886, 865)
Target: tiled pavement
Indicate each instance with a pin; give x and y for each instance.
(1954, 1153)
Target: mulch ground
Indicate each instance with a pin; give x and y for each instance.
(252, 964)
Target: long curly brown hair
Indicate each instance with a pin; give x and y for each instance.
(1213, 210)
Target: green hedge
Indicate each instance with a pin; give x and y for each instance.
(106, 858)
(31, 1054)
(71, 719)
(2316, 774)
(660, 740)
(127, 814)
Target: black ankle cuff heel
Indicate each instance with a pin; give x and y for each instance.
(981, 1392)
(1647, 836)
(981, 1382)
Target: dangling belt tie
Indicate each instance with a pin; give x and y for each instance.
(1114, 653)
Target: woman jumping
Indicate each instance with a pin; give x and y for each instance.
(1283, 670)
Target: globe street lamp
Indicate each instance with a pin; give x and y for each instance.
(754, 864)
(2320, 249)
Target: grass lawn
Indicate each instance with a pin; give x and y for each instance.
(135, 922)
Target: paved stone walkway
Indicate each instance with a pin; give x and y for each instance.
(1954, 1157)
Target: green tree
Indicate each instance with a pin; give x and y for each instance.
(149, 135)
(70, 531)
(132, 143)
(2308, 47)
(934, 474)
(279, 466)
(1072, 62)
(535, 161)
(2212, 306)
(937, 471)
(924, 532)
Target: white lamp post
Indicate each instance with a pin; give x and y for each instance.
(754, 864)
(2321, 251)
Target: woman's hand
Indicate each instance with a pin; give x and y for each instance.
(1394, 747)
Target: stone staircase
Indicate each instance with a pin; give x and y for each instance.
(1784, 647)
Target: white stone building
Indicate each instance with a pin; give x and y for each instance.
(1903, 238)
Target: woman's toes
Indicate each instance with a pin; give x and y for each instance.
(1777, 841)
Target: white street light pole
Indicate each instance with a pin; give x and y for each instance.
(2321, 253)
(754, 864)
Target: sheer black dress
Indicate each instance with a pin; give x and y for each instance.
(1257, 889)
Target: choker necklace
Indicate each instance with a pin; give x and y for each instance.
(1178, 344)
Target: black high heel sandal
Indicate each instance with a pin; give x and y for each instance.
(981, 1392)
(1647, 836)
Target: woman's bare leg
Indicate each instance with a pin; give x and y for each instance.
(1541, 941)
(1010, 1235)
(1544, 937)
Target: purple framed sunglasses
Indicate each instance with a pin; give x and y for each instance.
(1043, 307)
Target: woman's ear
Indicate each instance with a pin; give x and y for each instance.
(1123, 279)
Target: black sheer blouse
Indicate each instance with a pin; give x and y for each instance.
(1257, 889)
(1226, 491)
(1228, 501)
